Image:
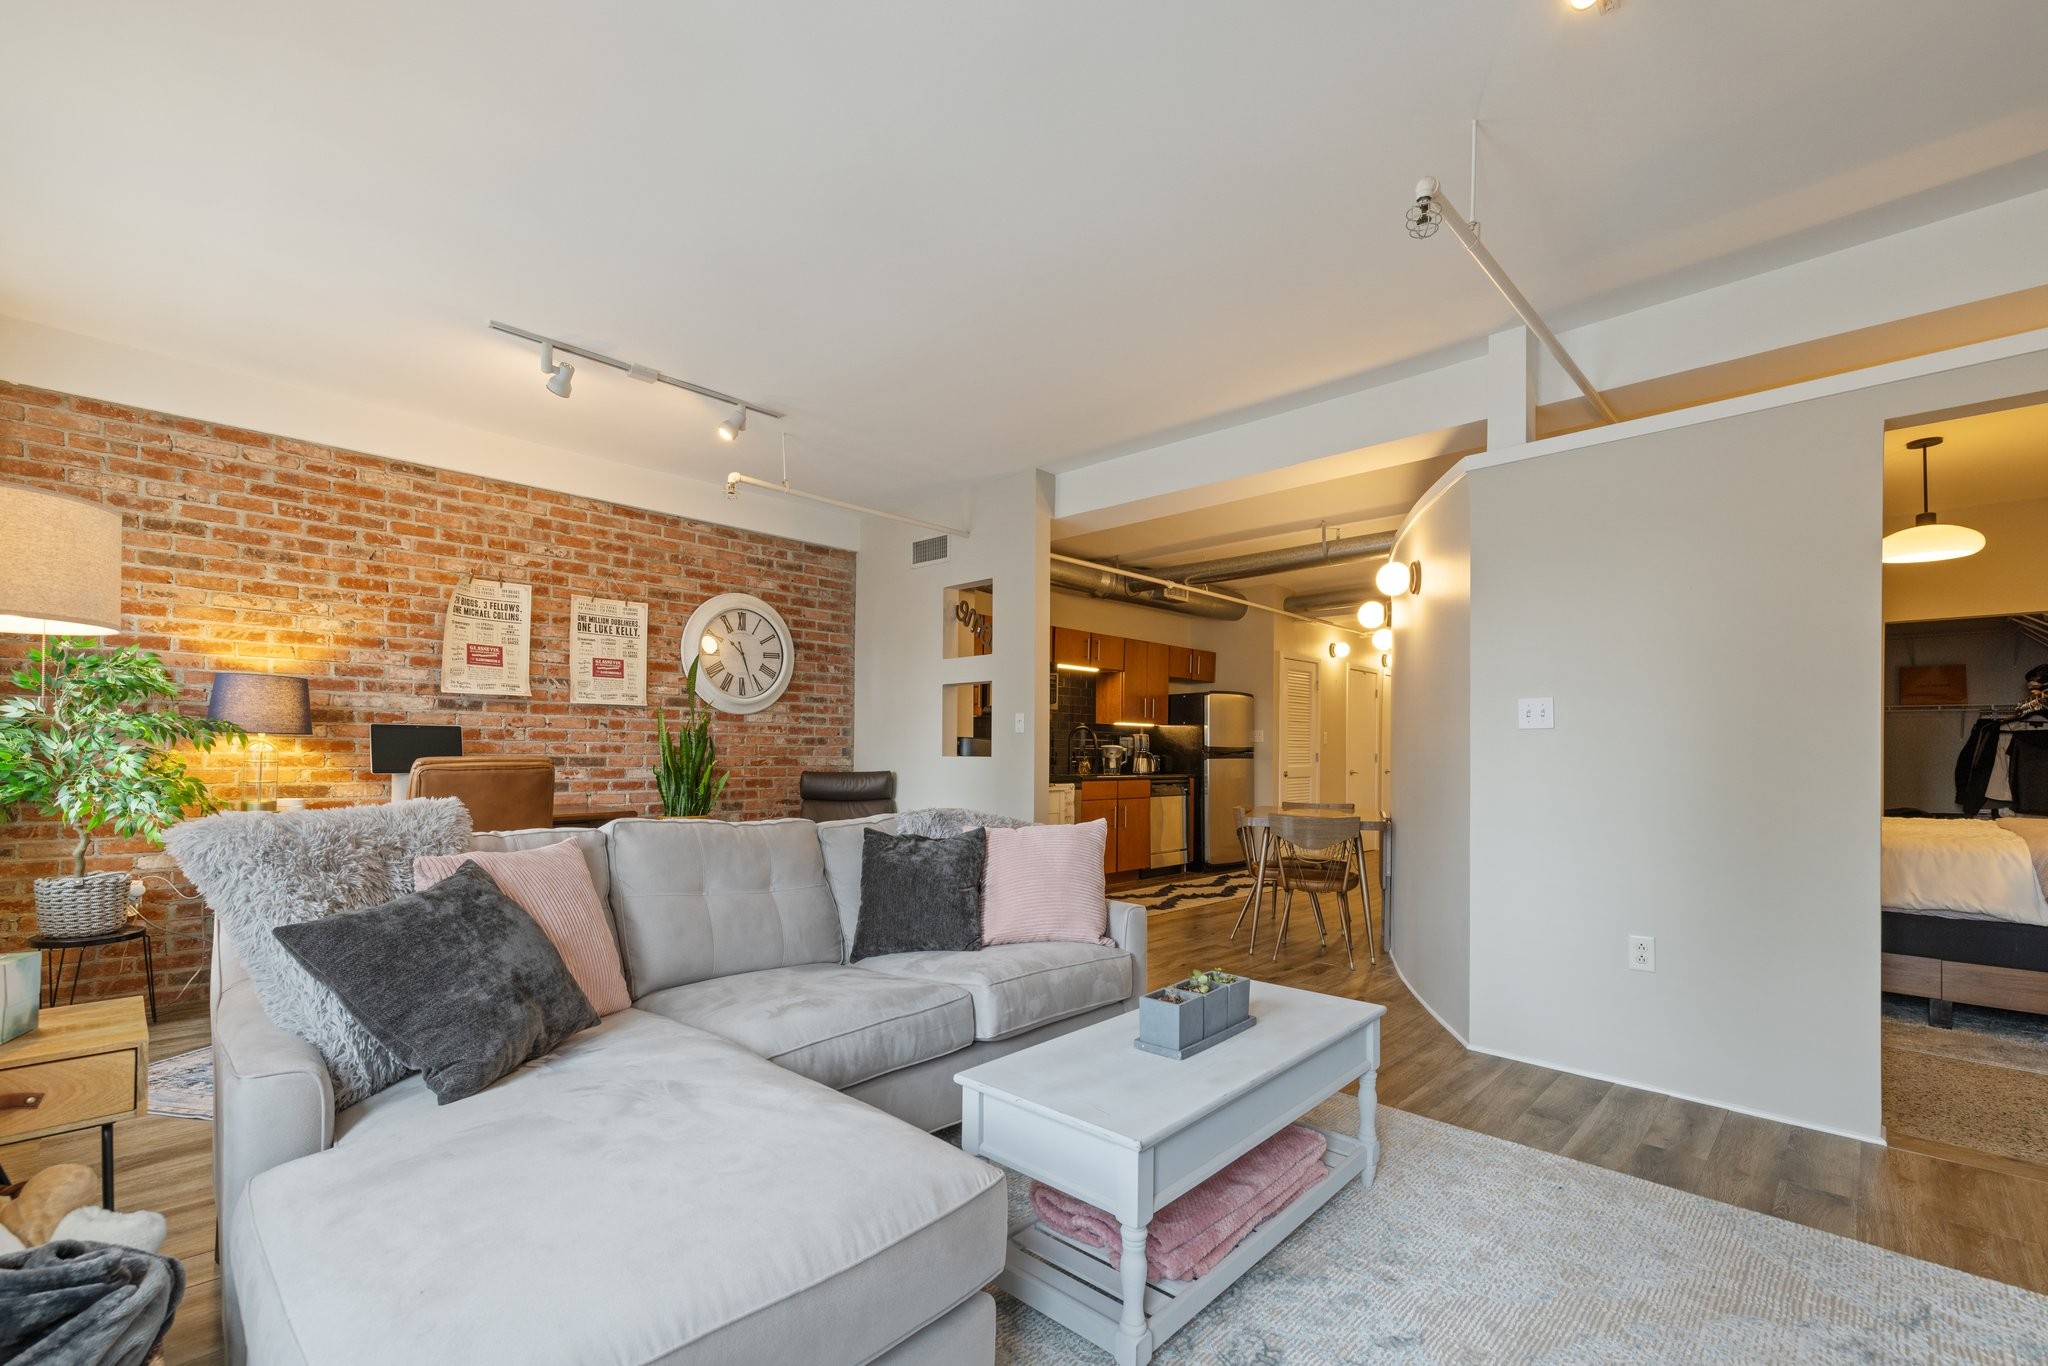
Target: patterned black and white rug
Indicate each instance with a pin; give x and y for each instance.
(1191, 890)
(182, 1085)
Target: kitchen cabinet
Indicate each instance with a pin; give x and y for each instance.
(1137, 694)
(1186, 665)
(1087, 649)
(1126, 805)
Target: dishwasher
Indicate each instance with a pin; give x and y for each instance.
(1169, 825)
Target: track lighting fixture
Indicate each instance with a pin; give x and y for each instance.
(558, 375)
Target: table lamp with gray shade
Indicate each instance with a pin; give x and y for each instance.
(264, 705)
(60, 569)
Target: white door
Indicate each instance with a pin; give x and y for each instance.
(1300, 724)
(1362, 744)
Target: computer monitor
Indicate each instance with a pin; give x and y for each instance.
(393, 748)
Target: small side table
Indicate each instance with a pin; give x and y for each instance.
(54, 980)
(81, 1067)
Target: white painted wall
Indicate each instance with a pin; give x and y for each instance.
(1431, 924)
(899, 674)
(1700, 594)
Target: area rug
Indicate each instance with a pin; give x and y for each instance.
(1982, 1085)
(1191, 891)
(1469, 1248)
(181, 1085)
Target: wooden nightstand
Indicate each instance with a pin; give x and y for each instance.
(81, 1066)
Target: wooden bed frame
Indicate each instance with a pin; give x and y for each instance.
(1997, 963)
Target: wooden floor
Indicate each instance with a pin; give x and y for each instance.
(1982, 1216)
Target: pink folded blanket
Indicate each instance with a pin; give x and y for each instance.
(1191, 1235)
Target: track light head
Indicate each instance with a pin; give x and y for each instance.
(558, 375)
(730, 429)
(1424, 216)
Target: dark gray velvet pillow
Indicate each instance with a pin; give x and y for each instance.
(919, 894)
(457, 980)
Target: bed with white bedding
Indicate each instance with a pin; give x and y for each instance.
(1966, 912)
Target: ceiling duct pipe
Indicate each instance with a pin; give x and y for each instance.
(1114, 587)
(1337, 550)
(1332, 603)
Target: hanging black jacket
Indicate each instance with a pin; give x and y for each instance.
(1975, 764)
(2027, 762)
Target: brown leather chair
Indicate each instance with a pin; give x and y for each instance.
(502, 791)
(838, 796)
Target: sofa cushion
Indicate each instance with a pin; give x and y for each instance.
(552, 883)
(594, 845)
(457, 979)
(833, 1024)
(919, 894)
(703, 899)
(1016, 987)
(841, 843)
(647, 1193)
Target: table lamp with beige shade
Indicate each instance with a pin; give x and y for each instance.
(263, 705)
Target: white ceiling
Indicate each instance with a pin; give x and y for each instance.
(1986, 458)
(951, 239)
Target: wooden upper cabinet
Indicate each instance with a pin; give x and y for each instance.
(1087, 649)
(1185, 665)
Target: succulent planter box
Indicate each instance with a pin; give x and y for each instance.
(1179, 1021)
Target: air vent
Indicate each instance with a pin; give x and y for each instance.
(931, 550)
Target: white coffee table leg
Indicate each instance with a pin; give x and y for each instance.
(1368, 1129)
(1133, 1345)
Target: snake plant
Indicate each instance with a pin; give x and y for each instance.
(685, 775)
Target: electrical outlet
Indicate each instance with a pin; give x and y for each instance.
(1533, 713)
(1642, 953)
(1258, 737)
(1020, 723)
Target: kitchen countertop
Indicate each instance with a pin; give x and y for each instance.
(1097, 777)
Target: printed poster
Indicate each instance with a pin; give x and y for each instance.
(484, 646)
(608, 652)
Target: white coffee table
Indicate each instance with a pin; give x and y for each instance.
(1129, 1132)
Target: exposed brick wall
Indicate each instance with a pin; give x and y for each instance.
(249, 551)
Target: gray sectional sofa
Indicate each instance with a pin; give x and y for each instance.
(736, 1169)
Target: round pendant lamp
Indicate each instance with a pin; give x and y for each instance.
(1928, 540)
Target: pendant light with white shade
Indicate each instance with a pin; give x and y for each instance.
(1927, 539)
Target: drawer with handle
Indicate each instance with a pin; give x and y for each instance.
(66, 1093)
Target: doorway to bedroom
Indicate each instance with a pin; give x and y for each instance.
(1964, 847)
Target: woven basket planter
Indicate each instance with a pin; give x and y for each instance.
(80, 907)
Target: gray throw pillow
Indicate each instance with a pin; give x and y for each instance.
(458, 980)
(919, 894)
(261, 869)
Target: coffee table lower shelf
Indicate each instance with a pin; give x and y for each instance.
(1075, 1285)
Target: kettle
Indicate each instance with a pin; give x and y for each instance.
(1144, 762)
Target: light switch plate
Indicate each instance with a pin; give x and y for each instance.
(1020, 723)
(1533, 713)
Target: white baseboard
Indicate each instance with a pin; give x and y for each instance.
(1754, 1113)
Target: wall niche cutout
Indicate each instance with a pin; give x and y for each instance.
(970, 729)
(969, 627)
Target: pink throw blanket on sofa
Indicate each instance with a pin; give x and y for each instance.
(1191, 1235)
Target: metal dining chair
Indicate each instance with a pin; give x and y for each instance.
(1249, 838)
(1315, 851)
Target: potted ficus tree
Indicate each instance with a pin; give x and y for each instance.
(685, 774)
(87, 743)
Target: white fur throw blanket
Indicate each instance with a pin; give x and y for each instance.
(262, 869)
(943, 822)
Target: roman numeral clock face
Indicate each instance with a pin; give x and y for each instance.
(744, 653)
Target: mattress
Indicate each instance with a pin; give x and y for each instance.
(1981, 867)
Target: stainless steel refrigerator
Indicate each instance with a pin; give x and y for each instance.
(1223, 762)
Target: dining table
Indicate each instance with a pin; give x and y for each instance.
(1318, 828)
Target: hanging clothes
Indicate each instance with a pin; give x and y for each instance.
(2026, 757)
(1977, 764)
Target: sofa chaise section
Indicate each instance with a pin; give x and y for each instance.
(648, 1193)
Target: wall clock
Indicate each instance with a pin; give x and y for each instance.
(745, 652)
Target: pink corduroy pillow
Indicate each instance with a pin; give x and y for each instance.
(552, 884)
(1045, 882)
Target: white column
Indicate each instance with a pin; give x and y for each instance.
(1511, 388)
